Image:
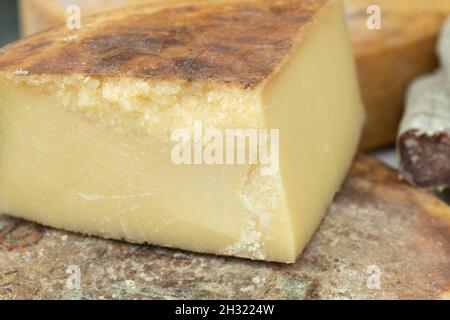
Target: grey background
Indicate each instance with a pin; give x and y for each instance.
(9, 25)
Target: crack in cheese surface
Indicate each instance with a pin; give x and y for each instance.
(85, 127)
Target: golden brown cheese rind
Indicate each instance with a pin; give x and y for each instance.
(239, 42)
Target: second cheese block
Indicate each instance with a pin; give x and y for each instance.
(39, 15)
(87, 119)
(390, 58)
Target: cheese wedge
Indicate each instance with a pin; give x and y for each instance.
(88, 117)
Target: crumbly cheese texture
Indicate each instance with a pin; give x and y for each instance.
(89, 151)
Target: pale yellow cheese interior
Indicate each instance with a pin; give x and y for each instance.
(92, 154)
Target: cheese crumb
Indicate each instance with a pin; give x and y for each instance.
(21, 72)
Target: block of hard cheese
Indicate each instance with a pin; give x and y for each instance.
(87, 118)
